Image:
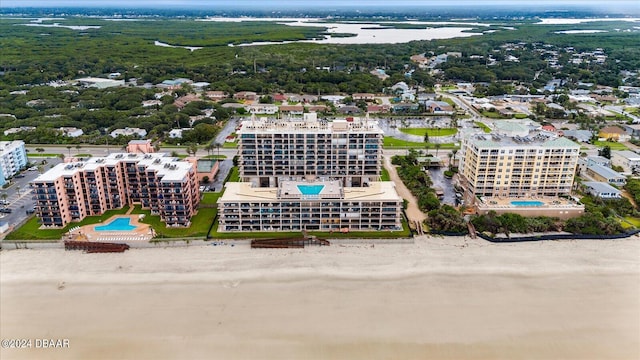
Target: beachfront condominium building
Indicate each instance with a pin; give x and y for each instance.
(310, 174)
(537, 164)
(323, 205)
(13, 158)
(349, 150)
(71, 191)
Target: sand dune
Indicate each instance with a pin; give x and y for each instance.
(440, 298)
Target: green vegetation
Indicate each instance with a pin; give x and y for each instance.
(39, 155)
(430, 131)
(484, 127)
(416, 180)
(390, 142)
(513, 223)
(200, 224)
(611, 144)
(31, 229)
(384, 174)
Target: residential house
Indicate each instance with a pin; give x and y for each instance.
(377, 109)
(363, 96)
(71, 131)
(177, 133)
(129, 132)
(263, 109)
(438, 107)
(182, 101)
(629, 160)
(245, 95)
(614, 133)
(292, 109)
(215, 95)
(605, 174)
(602, 190)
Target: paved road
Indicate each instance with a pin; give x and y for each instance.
(19, 195)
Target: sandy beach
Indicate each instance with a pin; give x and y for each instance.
(437, 298)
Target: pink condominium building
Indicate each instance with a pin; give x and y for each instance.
(70, 191)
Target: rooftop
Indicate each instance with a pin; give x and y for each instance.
(166, 167)
(308, 124)
(376, 191)
(534, 139)
(600, 187)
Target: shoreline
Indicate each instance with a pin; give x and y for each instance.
(444, 298)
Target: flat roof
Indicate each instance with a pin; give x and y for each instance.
(244, 192)
(175, 169)
(354, 125)
(627, 154)
(534, 139)
(605, 171)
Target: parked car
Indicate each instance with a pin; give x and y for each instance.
(19, 176)
(30, 211)
(5, 210)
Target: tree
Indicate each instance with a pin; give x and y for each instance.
(69, 148)
(4, 197)
(437, 146)
(426, 137)
(78, 147)
(605, 152)
(205, 179)
(192, 149)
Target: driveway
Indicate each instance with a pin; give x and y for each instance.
(413, 212)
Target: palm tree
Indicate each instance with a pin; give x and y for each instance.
(192, 149)
(4, 197)
(437, 146)
(78, 147)
(69, 148)
(61, 156)
(209, 147)
(218, 149)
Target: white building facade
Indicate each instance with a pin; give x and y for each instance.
(13, 158)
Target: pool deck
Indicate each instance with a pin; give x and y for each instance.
(142, 232)
(552, 206)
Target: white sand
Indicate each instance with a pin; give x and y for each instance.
(440, 298)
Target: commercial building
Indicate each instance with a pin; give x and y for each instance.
(13, 158)
(71, 191)
(515, 166)
(310, 174)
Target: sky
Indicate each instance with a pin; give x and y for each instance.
(325, 3)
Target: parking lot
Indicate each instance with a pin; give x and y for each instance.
(19, 194)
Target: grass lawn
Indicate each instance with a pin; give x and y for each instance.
(83, 155)
(390, 142)
(210, 198)
(384, 175)
(215, 157)
(520, 116)
(31, 229)
(612, 144)
(234, 175)
(47, 155)
(482, 126)
(230, 145)
(199, 224)
(492, 114)
(431, 132)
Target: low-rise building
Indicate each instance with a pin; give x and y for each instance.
(605, 174)
(129, 132)
(629, 160)
(245, 95)
(602, 190)
(612, 132)
(71, 131)
(140, 147)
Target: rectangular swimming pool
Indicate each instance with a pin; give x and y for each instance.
(119, 224)
(310, 189)
(527, 203)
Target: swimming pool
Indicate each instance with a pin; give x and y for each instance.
(527, 203)
(119, 224)
(310, 189)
